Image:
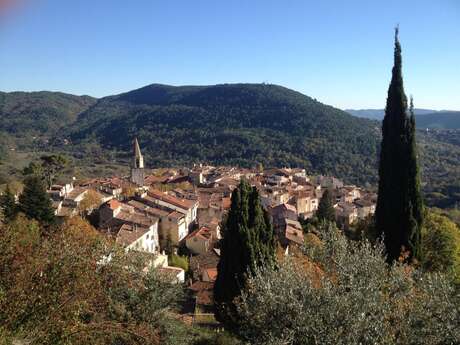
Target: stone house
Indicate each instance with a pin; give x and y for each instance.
(199, 241)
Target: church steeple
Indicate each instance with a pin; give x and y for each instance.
(138, 159)
(137, 166)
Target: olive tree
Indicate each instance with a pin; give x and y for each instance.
(349, 295)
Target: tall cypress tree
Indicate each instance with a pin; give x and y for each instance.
(248, 243)
(34, 202)
(399, 205)
(326, 210)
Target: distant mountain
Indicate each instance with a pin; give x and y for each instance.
(440, 120)
(377, 114)
(373, 114)
(425, 118)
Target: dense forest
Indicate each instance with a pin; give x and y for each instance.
(240, 124)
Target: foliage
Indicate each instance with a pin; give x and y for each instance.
(8, 205)
(453, 214)
(440, 119)
(248, 242)
(90, 201)
(31, 114)
(49, 167)
(218, 339)
(399, 211)
(64, 289)
(178, 261)
(441, 246)
(128, 191)
(326, 210)
(34, 202)
(52, 165)
(364, 229)
(348, 296)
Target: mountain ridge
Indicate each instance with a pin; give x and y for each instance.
(425, 118)
(230, 124)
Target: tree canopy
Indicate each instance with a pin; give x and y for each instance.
(34, 202)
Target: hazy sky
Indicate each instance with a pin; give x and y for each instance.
(338, 51)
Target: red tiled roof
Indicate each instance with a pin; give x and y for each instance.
(182, 203)
(212, 273)
(204, 233)
(203, 292)
(226, 203)
(114, 204)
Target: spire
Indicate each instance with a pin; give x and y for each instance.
(138, 159)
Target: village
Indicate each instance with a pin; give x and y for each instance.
(180, 211)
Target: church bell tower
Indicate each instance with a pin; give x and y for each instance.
(137, 166)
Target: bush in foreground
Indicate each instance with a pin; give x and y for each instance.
(357, 299)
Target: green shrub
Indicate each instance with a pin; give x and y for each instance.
(178, 261)
(441, 245)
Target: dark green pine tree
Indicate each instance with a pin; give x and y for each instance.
(399, 213)
(248, 243)
(34, 202)
(326, 210)
(8, 205)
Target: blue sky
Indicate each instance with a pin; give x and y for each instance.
(337, 51)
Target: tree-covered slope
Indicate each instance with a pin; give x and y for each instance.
(234, 124)
(441, 120)
(39, 113)
(425, 118)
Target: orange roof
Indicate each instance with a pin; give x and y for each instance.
(204, 233)
(226, 203)
(182, 203)
(114, 204)
(212, 273)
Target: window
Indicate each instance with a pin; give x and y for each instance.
(147, 236)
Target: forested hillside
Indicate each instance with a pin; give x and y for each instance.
(25, 115)
(441, 120)
(426, 118)
(240, 124)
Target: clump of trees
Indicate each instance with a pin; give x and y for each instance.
(73, 286)
(33, 202)
(352, 296)
(49, 167)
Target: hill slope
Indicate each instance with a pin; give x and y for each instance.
(240, 124)
(441, 120)
(425, 118)
(39, 113)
